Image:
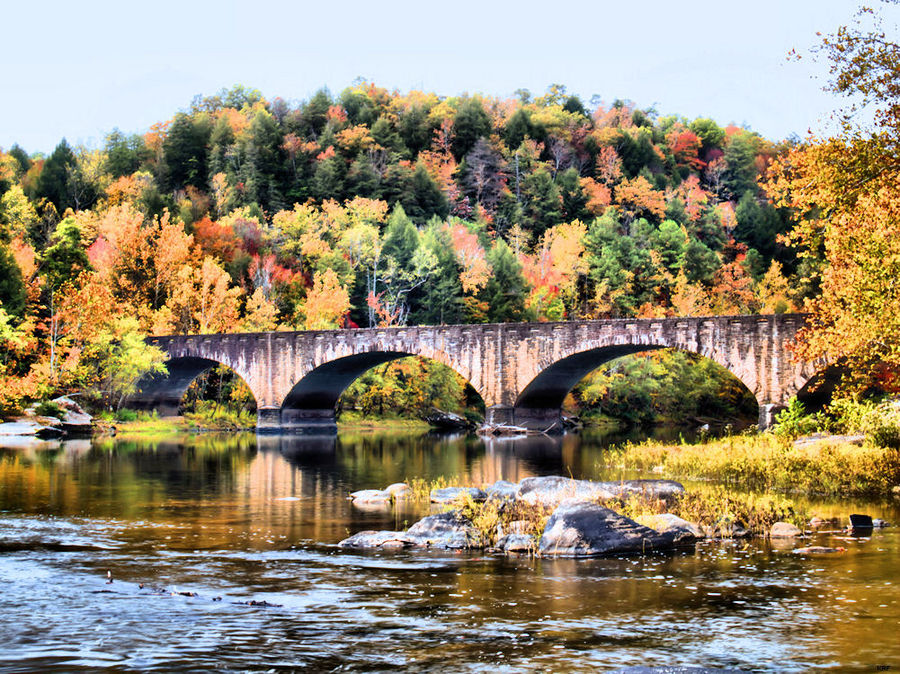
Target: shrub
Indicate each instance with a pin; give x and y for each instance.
(793, 421)
(126, 415)
(48, 409)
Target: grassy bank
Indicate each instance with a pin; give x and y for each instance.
(766, 462)
(353, 421)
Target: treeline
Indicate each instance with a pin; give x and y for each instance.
(375, 208)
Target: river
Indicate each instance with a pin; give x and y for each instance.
(210, 524)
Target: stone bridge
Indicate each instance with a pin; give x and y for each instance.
(523, 371)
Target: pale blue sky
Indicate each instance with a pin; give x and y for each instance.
(78, 69)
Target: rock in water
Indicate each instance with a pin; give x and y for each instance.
(585, 529)
(861, 522)
(376, 539)
(398, 490)
(656, 488)
(452, 494)
(681, 530)
(502, 490)
(516, 543)
(371, 496)
(784, 530)
(447, 420)
(445, 530)
(554, 489)
(816, 550)
(75, 421)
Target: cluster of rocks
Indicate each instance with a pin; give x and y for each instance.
(579, 524)
(577, 527)
(71, 421)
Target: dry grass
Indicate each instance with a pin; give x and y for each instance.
(765, 462)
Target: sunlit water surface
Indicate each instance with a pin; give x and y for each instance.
(238, 519)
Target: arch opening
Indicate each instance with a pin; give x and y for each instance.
(386, 384)
(206, 387)
(636, 385)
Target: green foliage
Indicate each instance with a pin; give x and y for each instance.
(55, 180)
(12, 286)
(663, 385)
(505, 290)
(66, 257)
(406, 388)
(117, 360)
(793, 421)
(47, 408)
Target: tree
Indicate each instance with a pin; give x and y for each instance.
(505, 290)
(185, 151)
(470, 123)
(12, 287)
(120, 357)
(326, 304)
(54, 182)
(844, 194)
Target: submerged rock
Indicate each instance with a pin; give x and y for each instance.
(452, 494)
(376, 539)
(681, 530)
(371, 496)
(816, 550)
(445, 530)
(784, 530)
(20, 428)
(585, 529)
(552, 490)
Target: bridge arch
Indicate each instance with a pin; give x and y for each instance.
(165, 392)
(312, 401)
(542, 398)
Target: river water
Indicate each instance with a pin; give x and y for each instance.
(209, 524)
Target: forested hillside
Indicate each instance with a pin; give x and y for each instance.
(375, 208)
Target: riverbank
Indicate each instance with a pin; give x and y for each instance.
(837, 465)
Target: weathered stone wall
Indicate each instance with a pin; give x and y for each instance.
(521, 370)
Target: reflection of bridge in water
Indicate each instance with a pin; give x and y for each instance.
(522, 371)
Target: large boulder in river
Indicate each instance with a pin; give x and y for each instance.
(553, 490)
(585, 529)
(453, 494)
(445, 530)
(75, 421)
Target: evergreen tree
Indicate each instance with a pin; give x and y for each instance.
(470, 123)
(55, 180)
(505, 290)
(185, 152)
(12, 286)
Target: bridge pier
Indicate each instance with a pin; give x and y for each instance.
(767, 414)
(548, 420)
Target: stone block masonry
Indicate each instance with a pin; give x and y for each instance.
(523, 371)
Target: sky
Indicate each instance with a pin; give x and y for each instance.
(78, 70)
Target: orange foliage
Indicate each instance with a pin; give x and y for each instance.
(471, 256)
(638, 198)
